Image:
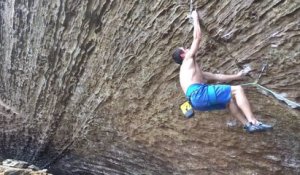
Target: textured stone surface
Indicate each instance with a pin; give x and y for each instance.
(16, 167)
(88, 87)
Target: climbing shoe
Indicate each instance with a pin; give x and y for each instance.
(258, 127)
(250, 128)
(263, 127)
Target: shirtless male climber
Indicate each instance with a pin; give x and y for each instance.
(204, 97)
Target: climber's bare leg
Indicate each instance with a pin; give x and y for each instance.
(236, 112)
(243, 103)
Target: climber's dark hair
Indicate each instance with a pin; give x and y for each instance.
(176, 55)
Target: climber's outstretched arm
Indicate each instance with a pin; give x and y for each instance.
(196, 35)
(222, 77)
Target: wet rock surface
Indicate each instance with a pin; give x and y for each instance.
(89, 87)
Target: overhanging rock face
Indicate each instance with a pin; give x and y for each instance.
(89, 87)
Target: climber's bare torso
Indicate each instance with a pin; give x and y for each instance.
(190, 73)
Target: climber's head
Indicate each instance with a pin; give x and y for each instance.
(179, 54)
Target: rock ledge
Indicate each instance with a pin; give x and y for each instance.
(16, 167)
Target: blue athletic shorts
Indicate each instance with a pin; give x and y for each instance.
(205, 97)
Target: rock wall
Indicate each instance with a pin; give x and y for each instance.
(89, 87)
(15, 167)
